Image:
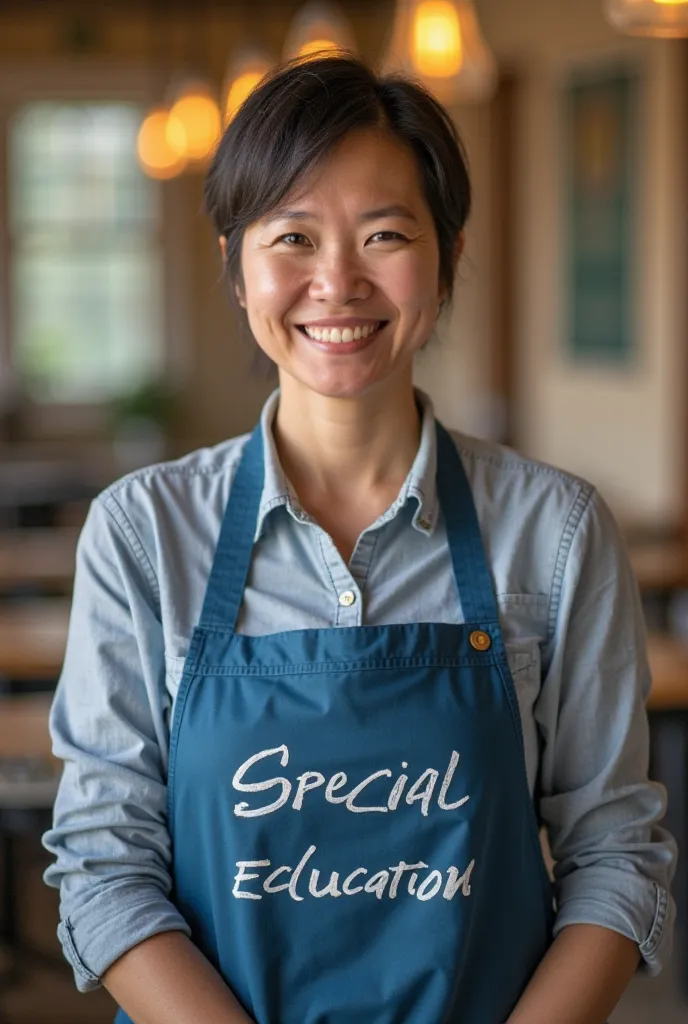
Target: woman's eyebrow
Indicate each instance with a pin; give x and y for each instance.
(282, 214)
(394, 210)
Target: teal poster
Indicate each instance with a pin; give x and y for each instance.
(600, 160)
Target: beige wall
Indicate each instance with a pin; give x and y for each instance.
(623, 429)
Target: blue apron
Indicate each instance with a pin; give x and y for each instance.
(354, 841)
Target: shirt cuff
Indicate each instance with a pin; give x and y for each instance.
(109, 925)
(623, 902)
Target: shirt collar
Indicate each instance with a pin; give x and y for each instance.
(420, 484)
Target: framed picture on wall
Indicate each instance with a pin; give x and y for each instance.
(601, 113)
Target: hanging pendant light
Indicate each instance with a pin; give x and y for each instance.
(440, 42)
(198, 114)
(246, 69)
(318, 25)
(663, 19)
(160, 145)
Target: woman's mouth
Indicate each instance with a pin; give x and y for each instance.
(342, 335)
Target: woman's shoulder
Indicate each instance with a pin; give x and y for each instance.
(169, 505)
(210, 462)
(197, 480)
(506, 471)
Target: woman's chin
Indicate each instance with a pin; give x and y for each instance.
(336, 388)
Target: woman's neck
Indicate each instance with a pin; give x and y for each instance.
(349, 447)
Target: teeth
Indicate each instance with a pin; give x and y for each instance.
(347, 334)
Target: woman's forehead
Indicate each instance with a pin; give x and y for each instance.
(371, 168)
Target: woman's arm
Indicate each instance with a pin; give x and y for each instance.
(580, 980)
(613, 863)
(166, 980)
(110, 837)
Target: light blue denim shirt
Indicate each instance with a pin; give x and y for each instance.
(572, 625)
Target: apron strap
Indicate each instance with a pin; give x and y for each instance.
(473, 580)
(232, 560)
(229, 573)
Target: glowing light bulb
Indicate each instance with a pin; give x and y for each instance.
(160, 145)
(440, 41)
(437, 45)
(240, 90)
(246, 69)
(199, 116)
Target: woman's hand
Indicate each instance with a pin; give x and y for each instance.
(167, 980)
(580, 980)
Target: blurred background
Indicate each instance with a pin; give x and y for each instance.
(119, 347)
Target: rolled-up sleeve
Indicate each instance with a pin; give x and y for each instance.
(109, 725)
(613, 863)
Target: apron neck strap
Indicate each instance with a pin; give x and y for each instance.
(232, 560)
(227, 581)
(473, 580)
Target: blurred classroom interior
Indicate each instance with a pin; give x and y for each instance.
(119, 347)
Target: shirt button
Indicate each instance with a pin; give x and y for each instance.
(347, 598)
(424, 524)
(480, 641)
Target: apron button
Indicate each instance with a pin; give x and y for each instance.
(347, 598)
(479, 640)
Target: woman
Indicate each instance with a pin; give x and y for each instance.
(321, 804)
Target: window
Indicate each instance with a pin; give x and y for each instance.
(85, 254)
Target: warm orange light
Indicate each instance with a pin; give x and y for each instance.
(240, 90)
(315, 46)
(441, 42)
(436, 39)
(160, 145)
(199, 116)
(672, 3)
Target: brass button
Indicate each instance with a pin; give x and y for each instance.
(347, 598)
(424, 524)
(479, 640)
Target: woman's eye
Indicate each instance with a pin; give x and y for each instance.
(294, 238)
(387, 236)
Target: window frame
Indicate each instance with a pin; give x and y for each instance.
(90, 81)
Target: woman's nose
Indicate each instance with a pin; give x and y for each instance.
(339, 278)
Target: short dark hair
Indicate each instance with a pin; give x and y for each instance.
(300, 110)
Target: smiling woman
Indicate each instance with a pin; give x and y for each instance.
(328, 240)
(352, 637)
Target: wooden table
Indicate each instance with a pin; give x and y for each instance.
(33, 637)
(38, 558)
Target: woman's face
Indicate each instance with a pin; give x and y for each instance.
(340, 282)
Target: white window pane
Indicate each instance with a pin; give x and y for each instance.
(86, 328)
(75, 164)
(86, 276)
